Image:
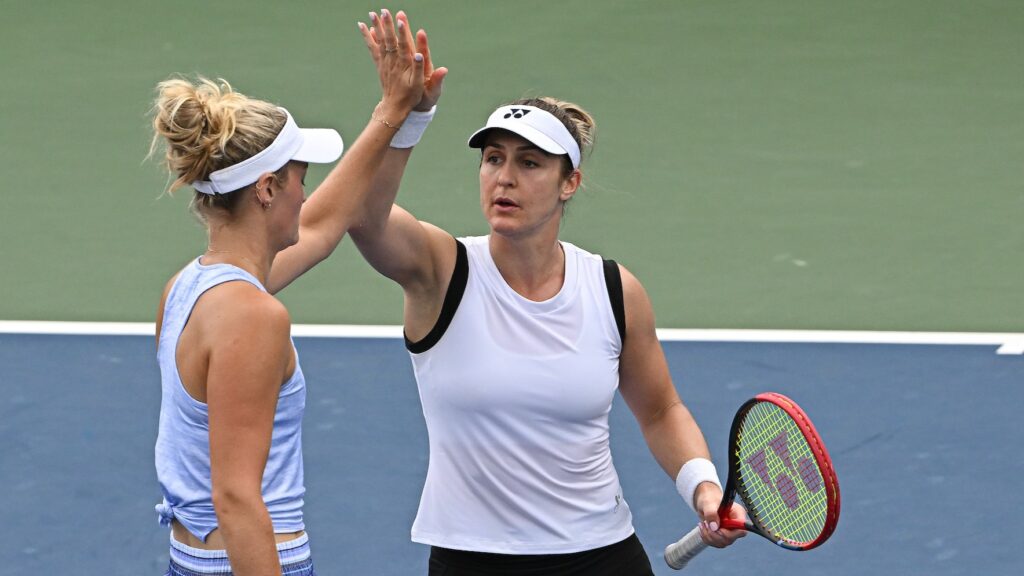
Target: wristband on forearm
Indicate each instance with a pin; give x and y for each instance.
(412, 129)
(691, 475)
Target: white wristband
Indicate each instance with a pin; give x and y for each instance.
(412, 129)
(691, 475)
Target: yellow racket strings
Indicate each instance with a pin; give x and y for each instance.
(779, 477)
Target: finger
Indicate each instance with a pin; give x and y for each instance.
(710, 516)
(405, 44)
(378, 54)
(417, 71)
(423, 47)
(707, 535)
(405, 40)
(713, 537)
(374, 25)
(377, 35)
(737, 512)
(371, 42)
(434, 84)
(734, 534)
(387, 29)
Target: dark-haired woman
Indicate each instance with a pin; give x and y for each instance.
(519, 342)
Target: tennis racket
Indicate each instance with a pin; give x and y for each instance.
(779, 467)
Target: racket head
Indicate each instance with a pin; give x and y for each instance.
(779, 467)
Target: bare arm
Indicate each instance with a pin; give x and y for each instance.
(392, 168)
(418, 256)
(250, 357)
(669, 429)
(645, 383)
(338, 201)
(393, 242)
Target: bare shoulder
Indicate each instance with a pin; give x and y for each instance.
(639, 313)
(442, 243)
(240, 308)
(633, 291)
(442, 254)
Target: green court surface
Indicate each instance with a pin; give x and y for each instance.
(785, 164)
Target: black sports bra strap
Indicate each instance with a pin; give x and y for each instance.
(452, 298)
(613, 281)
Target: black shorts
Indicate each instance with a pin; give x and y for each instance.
(626, 558)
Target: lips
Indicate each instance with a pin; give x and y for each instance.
(503, 202)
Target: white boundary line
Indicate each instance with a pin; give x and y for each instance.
(1008, 342)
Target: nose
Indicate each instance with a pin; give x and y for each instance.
(506, 174)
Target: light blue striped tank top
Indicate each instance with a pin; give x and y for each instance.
(183, 442)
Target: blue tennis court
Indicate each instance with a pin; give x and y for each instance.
(923, 437)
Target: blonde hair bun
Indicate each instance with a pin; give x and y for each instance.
(206, 126)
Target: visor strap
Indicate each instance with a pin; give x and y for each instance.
(270, 159)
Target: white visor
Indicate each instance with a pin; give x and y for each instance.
(538, 126)
(316, 145)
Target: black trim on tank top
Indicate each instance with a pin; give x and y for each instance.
(452, 299)
(613, 281)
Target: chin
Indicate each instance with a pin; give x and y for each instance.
(499, 227)
(506, 231)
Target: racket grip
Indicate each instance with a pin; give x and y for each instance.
(677, 555)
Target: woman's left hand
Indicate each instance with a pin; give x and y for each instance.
(708, 497)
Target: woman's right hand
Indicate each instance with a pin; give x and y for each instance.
(400, 68)
(390, 45)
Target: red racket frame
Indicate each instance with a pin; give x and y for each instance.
(821, 456)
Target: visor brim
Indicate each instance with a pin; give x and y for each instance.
(319, 146)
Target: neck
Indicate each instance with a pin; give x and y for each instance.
(240, 252)
(535, 267)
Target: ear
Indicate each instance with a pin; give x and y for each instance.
(570, 185)
(266, 188)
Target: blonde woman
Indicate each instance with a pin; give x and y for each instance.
(229, 448)
(519, 342)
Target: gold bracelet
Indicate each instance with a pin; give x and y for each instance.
(378, 118)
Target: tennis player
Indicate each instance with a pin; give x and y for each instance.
(229, 447)
(519, 342)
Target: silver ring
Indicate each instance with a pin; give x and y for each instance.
(390, 50)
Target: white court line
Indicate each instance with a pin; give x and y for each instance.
(75, 328)
(149, 329)
(1008, 342)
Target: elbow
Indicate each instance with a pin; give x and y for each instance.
(320, 245)
(660, 415)
(232, 502)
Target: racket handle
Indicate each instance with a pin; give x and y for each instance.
(677, 555)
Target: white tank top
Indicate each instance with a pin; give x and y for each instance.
(516, 396)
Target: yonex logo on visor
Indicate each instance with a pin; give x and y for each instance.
(516, 113)
(536, 125)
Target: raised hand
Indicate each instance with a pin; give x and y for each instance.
(376, 42)
(399, 67)
(433, 78)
